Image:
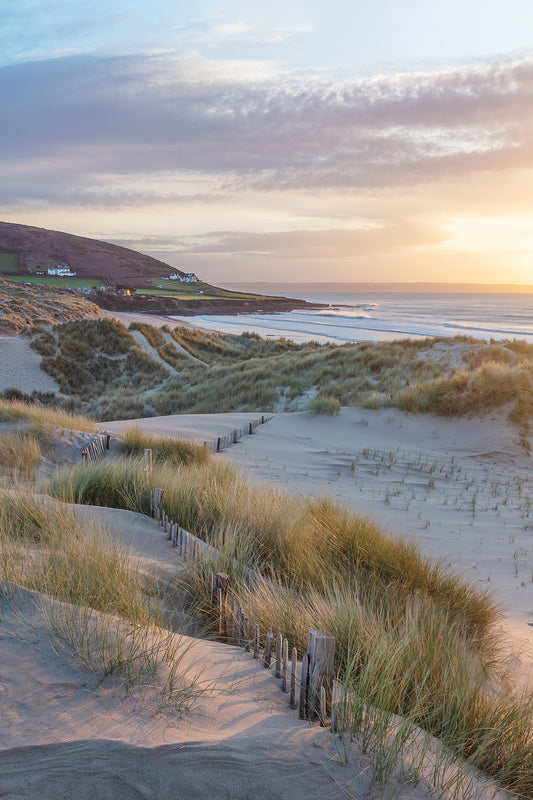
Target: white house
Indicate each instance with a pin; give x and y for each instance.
(62, 271)
(189, 277)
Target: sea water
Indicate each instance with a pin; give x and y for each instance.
(385, 316)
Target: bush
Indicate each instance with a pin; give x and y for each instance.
(44, 345)
(167, 449)
(325, 404)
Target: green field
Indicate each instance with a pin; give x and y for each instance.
(9, 262)
(46, 280)
(169, 288)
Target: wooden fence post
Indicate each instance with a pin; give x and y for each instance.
(284, 665)
(336, 706)
(256, 640)
(221, 588)
(147, 465)
(304, 677)
(321, 649)
(279, 645)
(268, 649)
(294, 668)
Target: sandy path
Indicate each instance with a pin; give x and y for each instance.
(70, 732)
(20, 367)
(199, 427)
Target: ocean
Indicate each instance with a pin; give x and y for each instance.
(385, 316)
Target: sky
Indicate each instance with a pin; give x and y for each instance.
(288, 140)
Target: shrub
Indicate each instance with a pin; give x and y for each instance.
(169, 449)
(20, 453)
(152, 335)
(44, 344)
(325, 404)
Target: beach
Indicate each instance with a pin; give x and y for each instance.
(459, 488)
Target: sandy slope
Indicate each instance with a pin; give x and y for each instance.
(71, 733)
(20, 367)
(463, 488)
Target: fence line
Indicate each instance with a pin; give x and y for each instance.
(97, 448)
(310, 684)
(232, 438)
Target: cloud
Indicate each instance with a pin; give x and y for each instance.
(87, 124)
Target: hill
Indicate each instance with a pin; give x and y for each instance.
(27, 249)
(25, 306)
(27, 252)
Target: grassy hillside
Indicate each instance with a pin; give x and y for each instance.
(100, 362)
(26, 306)
(38, 248)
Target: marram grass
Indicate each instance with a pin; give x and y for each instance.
(109, 616)
(170, 449)
(413, 638)
(43, 418)
(20, 454)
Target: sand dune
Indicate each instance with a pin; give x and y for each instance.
(461, 488)
(20, 367)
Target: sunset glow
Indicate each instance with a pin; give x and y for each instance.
(383, 143)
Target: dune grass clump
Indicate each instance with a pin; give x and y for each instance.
(111, 482)
(413, 638)
(169, 449)
(20, 454)
(306, 544)
(61, 557)
(43, 418)
(325, 404)
(109, 615)
(152, 334)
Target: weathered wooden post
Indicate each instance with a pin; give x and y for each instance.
(157, 500)
(147, 465)
(251, 428)
(256, 640)
(304, 679)
(321, 650)
(279, 645)
(294, 668)
(268, 649)
(211, 584)
(323, 711)
(284, 665)
(108, 441)
(336, 706)
(235, 437)
(221, 587)
(219, 444)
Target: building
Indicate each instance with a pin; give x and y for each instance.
(61, 270)
(189, 277)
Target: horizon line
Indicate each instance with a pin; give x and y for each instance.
(434, 286)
